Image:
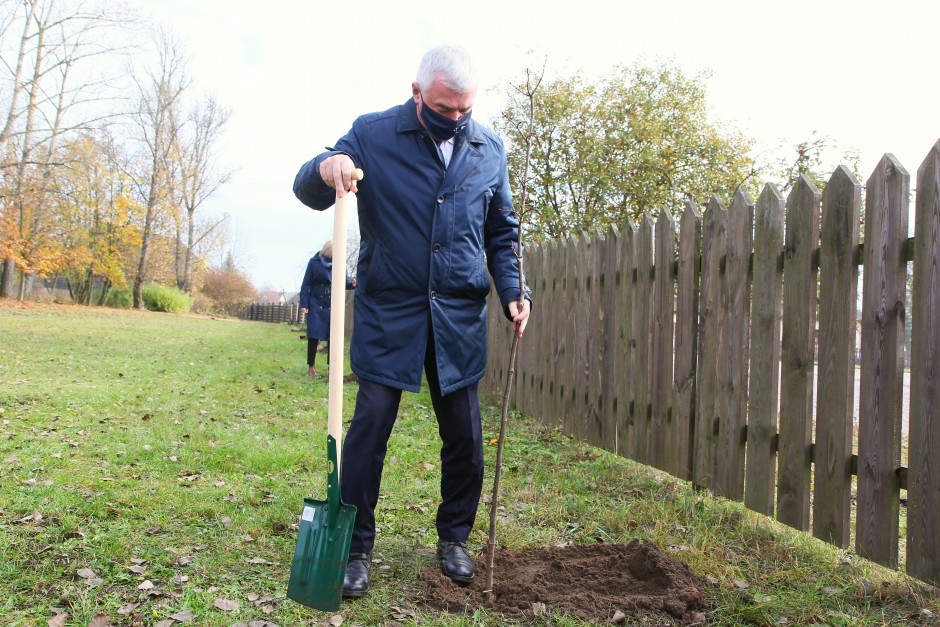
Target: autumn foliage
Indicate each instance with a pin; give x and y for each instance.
(227, 289)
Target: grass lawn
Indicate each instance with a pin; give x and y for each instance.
(153, 466)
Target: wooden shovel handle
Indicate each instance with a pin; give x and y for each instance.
(338, 317)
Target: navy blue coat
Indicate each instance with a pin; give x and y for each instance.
(427, 237)
(315, 296)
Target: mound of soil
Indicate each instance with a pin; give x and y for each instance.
(595, 583)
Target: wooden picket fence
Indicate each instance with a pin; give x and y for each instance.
(694, 346)
(273, 312)
(291, 313)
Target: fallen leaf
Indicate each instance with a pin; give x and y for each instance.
(146, 584)
(184, 617)
(428, 466)
(539, 609)
(619, 617)
(85, 573)
(743, 585)
(866, 587)
(137, 570)
(164, 623)
(336, 620)
(226, 521)
(248, 538)
(259, 560)
(180, 578)
(58, 620)
(225, 605)
(127, 609)
(100, 621)
(185, 560)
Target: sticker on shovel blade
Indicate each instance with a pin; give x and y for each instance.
(307, 514)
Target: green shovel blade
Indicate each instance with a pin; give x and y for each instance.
(326, 528)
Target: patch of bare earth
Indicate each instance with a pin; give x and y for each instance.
(597, 583)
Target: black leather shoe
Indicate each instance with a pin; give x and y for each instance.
(455, 560)
(356, 581)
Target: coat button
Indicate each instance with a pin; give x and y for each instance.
(433, 295)
(440, 200)
(437, 248)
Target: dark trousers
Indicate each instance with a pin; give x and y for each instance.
(365, 445)
(312, 346)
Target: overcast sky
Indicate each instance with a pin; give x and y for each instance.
(297, 72)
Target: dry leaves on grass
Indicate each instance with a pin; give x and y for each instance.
(225, 605)
(184, 617)
(58, 620)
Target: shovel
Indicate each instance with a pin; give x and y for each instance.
(326, 527)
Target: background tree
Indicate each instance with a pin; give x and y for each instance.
(97, 219)
(227, 288)
(199, 178)
(157, 122)
(639, 140)
(54, 82)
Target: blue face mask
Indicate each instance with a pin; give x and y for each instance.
(440, 126)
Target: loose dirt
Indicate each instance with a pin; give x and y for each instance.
(598, 583)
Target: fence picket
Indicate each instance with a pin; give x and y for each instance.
(626, 433)
(611, 340)
(765, 353)
(797, 355)
(643, 322)
(882, 368)
(923, 493)
(687, 279)
(663, 435)
(713, 243)
(838, 295)
(732, 347)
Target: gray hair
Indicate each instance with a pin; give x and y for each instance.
(453, 62)
(327, 250)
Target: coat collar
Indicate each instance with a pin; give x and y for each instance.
(408, 122)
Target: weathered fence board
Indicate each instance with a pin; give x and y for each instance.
(706, 427)
(797, 355)
(570, 335)
(923, 491)
(882, 368)
(643, 320)
(612, 340)
(625, 389)
(662, 434)
(596, 342)
(838, 295)
(733, 350)
(761, 467)
(687, 279)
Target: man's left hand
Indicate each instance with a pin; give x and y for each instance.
(520, 317)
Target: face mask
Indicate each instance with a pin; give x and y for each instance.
(440, 126)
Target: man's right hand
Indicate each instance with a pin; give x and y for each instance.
(336, 171)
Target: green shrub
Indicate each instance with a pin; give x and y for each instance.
(168, 299)
(120, 299)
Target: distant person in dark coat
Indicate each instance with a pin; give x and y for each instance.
(315, 302)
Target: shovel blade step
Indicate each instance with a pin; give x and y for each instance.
(319, 565)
